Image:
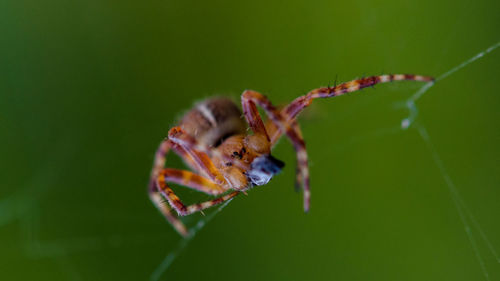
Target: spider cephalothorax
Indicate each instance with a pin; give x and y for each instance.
(246, 160)
(213, 141)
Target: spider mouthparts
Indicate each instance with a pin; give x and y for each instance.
(263, 168)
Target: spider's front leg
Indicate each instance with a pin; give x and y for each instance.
(291, 111)
(249, 100)
(194, 181)
(155, 196)
(163, 196)
(275, 134)
(216, 184)
(284, 121)
(198, 153)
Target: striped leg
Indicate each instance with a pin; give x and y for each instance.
(275, 135)
(194, 181)
(165, 209)
(290, 112)
(295, 107)
(249, 99)
(191, 180)
(155, 196)
(197, 153)
(185, 178)
(159, 162)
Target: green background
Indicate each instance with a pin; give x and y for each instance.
(89, 88)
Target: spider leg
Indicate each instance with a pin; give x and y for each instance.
(188, 179)
(156, 197)
(178, 176)
(193, 181)
(295, 107)
(284, 121)
(249, 99)
(275, 135)
(197, 153)
(159, 162)
(162, 205)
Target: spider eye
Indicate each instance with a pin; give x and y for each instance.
(236, 154)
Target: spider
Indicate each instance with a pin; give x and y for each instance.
(212, 139)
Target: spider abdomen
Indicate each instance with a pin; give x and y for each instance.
(213, 120)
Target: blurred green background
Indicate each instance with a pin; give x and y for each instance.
(89, 88)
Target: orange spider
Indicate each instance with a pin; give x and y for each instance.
(212, 140)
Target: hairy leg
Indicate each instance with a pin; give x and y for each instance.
(249, 100)
(188, 179)
(275, 135)
(155, 196)
(193, 181)
(198, 154)
(284, 121)
(178, 176)
(291, 111)
(162, 205)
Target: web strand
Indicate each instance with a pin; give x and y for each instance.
(410, 103)
(172, 255)
(465, 215)
(463, 211)
(457, 200)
